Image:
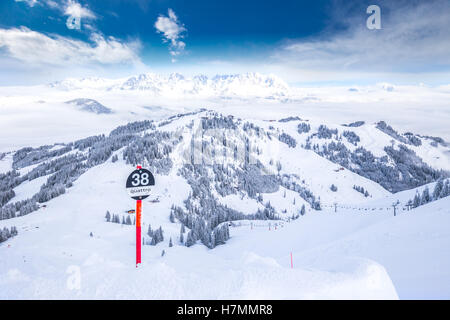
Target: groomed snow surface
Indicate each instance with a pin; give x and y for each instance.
(342, 255)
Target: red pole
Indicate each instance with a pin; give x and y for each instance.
(292, 265)
(138, 229)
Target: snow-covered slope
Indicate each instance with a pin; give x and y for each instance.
(272, 178)
(54, 244)
(334, 254)
(411, 246)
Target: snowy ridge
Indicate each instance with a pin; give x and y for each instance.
(90, 105)
(241, 85)
(234, 197)
(256, 161)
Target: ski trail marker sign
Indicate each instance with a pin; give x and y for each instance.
(139, 183)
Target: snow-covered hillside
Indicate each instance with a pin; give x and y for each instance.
(235, 196)
(90, 105)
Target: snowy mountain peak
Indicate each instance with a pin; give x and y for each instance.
(175, 84)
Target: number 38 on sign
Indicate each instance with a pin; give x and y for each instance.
(139, 184)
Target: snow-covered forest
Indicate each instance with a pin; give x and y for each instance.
(216, 176)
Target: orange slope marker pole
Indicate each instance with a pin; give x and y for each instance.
(138, 229)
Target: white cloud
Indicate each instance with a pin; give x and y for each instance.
(36, 48)
(75, 13)
(172, 31)
(31, 3)
(70, 8)
(74, 9)
(67, 7)
(414, 39)
(52, 4)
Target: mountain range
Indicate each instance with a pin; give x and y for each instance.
(175, 84)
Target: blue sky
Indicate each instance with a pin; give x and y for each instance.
(304, 42)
